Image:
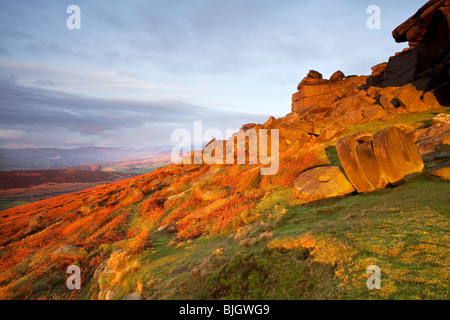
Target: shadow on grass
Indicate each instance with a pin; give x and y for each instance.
(332, 155)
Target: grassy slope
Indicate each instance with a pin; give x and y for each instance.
(313, 251)
(292, 251)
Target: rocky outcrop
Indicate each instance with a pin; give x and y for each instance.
(425, 63)
(369, 165)
(313, 91)
(68, 250)
(322, 109)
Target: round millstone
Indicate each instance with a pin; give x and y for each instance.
(309, 186)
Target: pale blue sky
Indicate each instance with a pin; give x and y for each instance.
(136, 70)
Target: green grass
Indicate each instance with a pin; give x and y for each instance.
(405, 231)
(406, 119)
(7, 204)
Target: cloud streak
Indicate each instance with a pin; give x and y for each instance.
(138, 69)
(42, 117)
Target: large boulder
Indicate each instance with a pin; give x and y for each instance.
(320, 183)
(430, 138)
(409, 98)
(337, 76)
(443, 172)
(396, 154)
(314, 74)
(370, 165)
(346, 149)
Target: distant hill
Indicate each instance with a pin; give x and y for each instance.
(30, 178)
(51, 158)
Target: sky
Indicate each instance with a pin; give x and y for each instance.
(137, 70)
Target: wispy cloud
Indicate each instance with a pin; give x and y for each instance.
(137, 69)
(43, 117)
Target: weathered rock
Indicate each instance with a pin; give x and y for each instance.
(337, 76)
(314, 74)
(362, 136)
(379, 69)
(292, 133)
(132, 296)
(312, 92)
(409, 98)
(442, 117)
(446, 140)
(386, 101)
(295, 146)
(271, 123)
(427, 59)
(104, 267)
(370, 165)
(68, 250)
(323, 93)
(428, 139)
(212, 172)
(414, 29)
(317, 113)
(110, 294)
(430, 100)
(309, 186)
(172, 199)
(442, 155)
(396, 154)
(352, 118)
(443, 171)
(216, 194)
(346, 149)
(283, 144)
(306, 126)
(372, 112)
(404, 67)
(332, 133)
(248, 126)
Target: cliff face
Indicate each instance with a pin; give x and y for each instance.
(426, 62)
